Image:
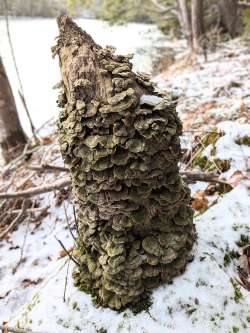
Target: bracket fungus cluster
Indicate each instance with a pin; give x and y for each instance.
(120, 140)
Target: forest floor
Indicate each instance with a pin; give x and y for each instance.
(37, 291)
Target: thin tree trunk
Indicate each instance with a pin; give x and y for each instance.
(12, 136)
(185, 21)
(120, 140)
(197, 24)
(230, 16)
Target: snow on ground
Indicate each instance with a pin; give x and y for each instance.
(212, 91)
(206, 298)
(203, 299)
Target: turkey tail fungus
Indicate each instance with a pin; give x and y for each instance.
(120, 140)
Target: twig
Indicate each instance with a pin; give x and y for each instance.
(67, 252)
(36, 190)
(215, 164)
(28, 210)
(5, 328)
(20, 158)
(76, 222)
(66, 282)
(49, 167)
(67, 220)
(33, 129)
(23, 245)
(14, 222)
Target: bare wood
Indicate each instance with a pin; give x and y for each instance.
(37, 190)
(83, 63)
(14, 222)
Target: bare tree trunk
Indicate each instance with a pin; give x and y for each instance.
(120, 140)
(229, 16)
(197, 24)
(12, 136)
(185, 21)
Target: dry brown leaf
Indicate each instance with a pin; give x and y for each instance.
(28, 184)
(236, 178)
(200, 202)
(63, 253)
(47, 140)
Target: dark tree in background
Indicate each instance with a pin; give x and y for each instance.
(197, 15)
(12, 136)
(230, 16)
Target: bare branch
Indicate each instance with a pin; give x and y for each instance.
(66, 282)
(48, 167)
(191, 176)
(37, 190)
(67, 220)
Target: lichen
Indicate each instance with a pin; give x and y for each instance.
(135, 224)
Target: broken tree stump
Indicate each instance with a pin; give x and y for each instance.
(120, 140)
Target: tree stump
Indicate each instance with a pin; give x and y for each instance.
(120, 140)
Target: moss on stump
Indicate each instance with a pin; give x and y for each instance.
(120, 140)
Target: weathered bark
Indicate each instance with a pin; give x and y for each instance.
(185, 21)
(120, 140)
(197, 24)
(12, 136)
(230, 16)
